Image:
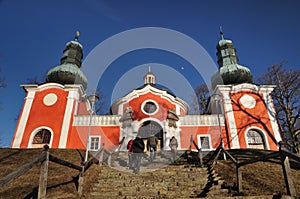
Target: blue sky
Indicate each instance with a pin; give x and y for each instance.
(34, 33)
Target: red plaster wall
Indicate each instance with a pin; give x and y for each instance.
(109, 135)
(82, 108)
(42, 115)
(136, 104)
(213, 131)
(255, 117)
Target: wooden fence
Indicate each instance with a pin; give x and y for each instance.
(283, 154)
(44, 159)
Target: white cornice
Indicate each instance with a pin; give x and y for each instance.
(148, 88)
(67, 87)
(246, 87)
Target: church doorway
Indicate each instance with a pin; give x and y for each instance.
(151, 127)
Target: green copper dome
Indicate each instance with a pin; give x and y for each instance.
(230, 72)
(68, 72)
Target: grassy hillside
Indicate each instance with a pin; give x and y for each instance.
(61, 180)
(263, 178)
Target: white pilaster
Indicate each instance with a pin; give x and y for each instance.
(72, 97)
(231, 120)
(271, 113)
(23, 119)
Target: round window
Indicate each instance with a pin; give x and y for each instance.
(150, 107)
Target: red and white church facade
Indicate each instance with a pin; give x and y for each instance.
(58, 112)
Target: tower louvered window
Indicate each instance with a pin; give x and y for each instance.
(43, 136)
(255, 139)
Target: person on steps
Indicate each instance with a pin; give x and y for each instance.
(152, 146)
(129, 148)
(138, 147)
(173, 145)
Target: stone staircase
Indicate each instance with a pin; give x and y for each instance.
(161, 178)
(215, 187)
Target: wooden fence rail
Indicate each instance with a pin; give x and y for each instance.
(99, 156)
(44, 159)
(282, 154)
(64, 163)
(20, 171)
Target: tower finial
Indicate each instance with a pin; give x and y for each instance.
(221, 33)
(149, 78)
(77, 35)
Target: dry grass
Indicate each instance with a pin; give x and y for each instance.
(261, 178)
(61, 179)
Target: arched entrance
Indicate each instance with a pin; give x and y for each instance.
(151, 127)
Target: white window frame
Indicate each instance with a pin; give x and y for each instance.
(209, 142)
(35, 131)
(144, 103)
(90, 143)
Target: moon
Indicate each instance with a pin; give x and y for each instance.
(182, 68)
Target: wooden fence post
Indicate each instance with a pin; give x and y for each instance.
(191, 142)
(101, 155)
(44, 174)
(109, 159)
(224, 154)
(238, 177)
(289, 184)
(200, 154)
(80, 181)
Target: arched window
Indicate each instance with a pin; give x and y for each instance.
(255, 139)
(43, 136)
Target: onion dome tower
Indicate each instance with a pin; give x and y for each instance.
(230, 72)
(68, 72)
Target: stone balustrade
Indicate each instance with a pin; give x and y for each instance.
(114, 120)
(97, 120)
(201, 120)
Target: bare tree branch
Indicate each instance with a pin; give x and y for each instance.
(202, 95)
(100, 104)
(286, 97)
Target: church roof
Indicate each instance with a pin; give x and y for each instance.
(153, 88)
(68, 72)
(230, 72)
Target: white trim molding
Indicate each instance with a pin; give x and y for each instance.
(272, 116)
(23, 120)
(154, 102)
(228, 110)
(149, 89)
(209, 142)
(71, 99)
(90, 142)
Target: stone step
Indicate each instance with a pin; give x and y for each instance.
(158, 179)
(217, 193)
(175, 181)
(163, 158)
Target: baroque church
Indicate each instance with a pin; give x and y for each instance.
(59, 113)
